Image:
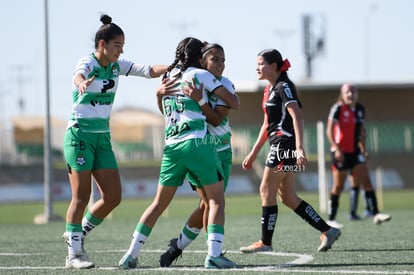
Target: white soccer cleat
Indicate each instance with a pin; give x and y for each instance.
(335, 224)
(380, 218)
(77, 262)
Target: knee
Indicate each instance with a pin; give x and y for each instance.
(113, 199)
(80, 203)
(289, 200)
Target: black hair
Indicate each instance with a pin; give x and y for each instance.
(187, 54)
(274, 56)
(108, 31)
(209, 46)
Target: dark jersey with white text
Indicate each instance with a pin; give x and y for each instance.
(280, 123)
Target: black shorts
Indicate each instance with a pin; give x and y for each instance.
(282, 153)
(350, 161)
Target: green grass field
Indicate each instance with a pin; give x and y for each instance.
(364, 248)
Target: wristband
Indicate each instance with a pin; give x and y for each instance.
(201, 102)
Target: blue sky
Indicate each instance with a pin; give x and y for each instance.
(365, 41)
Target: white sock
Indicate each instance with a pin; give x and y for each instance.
(138, 240)
(74, 243)
(183, 240)
(87, 226)
(215, 244)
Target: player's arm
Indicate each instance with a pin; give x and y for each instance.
(158, 70)
(298, 126)
(229, 98)
(362, 141)
(330, 135)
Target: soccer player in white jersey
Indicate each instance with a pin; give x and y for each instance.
(186, 152)
(219, 135)
(87, 143)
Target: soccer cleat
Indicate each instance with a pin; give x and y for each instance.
(380, 218)
(82, 254)
(354, 217)
(171, 254)
(127, 262)
(219, 262)
(256, 247)
(77, 262)
(328, 238)
(335, 224)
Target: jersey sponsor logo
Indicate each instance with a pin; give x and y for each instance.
(287, 91)
(97, 102)
(312, 214)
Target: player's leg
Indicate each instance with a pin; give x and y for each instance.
(361, 174)
(339, 177)
(353, 199)
(268, 195)
(289, 197)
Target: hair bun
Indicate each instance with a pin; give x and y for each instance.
(106, 19)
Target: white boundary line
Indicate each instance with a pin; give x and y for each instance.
(286, 267)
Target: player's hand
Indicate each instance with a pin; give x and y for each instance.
(192, 91)
(339, 156)
(84, 84)
(247, 163)
(301, 156)
(168, 86)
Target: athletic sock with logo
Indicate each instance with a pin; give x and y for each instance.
(268, 221)
(74, 241)
(89, 222)
(312, 217)
(215, 239)
(187, 236)
(139, 238)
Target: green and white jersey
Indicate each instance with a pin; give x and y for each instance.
(91, 109)
(183, 116)
(222, 132)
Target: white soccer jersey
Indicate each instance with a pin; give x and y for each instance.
(184, 118)
(222, 131)
(91, 110)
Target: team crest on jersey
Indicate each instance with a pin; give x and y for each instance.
(80, 159)
(115, 71)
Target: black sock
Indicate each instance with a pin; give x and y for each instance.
(312, 217)
(333, 206)
(371, 202)
(269, 218)
(353, 195)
